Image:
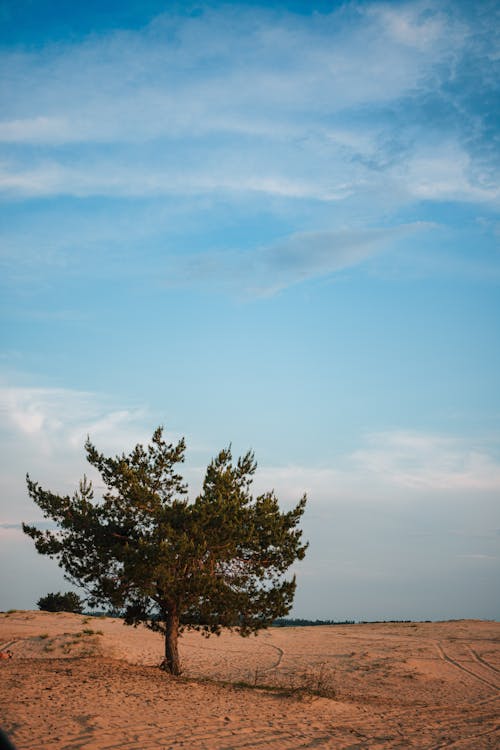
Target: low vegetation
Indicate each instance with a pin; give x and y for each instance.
(68, 602)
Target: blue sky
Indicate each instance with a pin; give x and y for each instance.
(271, 224)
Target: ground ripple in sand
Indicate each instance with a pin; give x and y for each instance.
(422, 686)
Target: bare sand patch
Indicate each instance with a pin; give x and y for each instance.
(78, 682)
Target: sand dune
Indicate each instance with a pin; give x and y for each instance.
(93, 683)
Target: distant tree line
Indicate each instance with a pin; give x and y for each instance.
(287, 622)
(71, 602)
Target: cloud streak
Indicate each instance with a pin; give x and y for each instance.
(221, 71)
(49, 178)
(423, 461)
(394, 468)
(289, 261)
(254, 100)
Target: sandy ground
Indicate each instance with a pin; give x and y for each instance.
(93, 683)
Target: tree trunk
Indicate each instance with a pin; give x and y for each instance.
(171, 663)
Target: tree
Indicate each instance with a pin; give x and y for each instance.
(215, 562)
(68, 602)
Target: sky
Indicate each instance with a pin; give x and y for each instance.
(274, 225)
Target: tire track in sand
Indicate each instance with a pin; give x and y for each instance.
(152, 737)
(7, 644)
(281, 654)
(482, 661)
(461, 740)
(444, 656)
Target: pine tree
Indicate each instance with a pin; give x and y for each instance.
(68, 602)
(143, 548)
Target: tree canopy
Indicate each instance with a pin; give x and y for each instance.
(144, 548)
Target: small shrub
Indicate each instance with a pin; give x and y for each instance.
(68, 602)
(88, 631)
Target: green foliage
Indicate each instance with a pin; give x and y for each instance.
(147, 551)
(68, 602)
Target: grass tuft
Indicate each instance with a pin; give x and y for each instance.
(315, 683)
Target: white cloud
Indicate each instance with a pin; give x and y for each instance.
(44, 179)
(118, 179)
(446, 172)
(37, 129)
(227, 69)
(43, 431)
(56, 421)
(423, 461)
(236, 100)
(418, 25)
(394, 468)
(31, 410)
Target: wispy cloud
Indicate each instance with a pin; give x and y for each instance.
(294, 259)
(254, 100)
(224, 70)
(150, 180)
(54, 423)
(43, 431)
(57, 419)
(335, 131)
(397, 467)
(38, 129)
(447, 174)
(418, 460)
